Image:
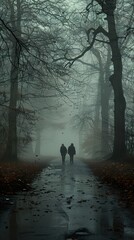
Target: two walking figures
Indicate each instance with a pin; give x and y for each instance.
(71, 151)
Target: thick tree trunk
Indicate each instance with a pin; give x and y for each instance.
(105, 120)
(103, 101)
(119, 149)
(11, 149)
(99, 101)
(96, 143)
(105, 96)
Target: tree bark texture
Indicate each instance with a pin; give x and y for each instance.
(11, 148)
(105, 97)
(105, 91)
(119, 148)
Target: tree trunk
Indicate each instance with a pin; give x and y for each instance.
(38, 142)
(96, 143)
(105, 120)
(11, 148)
(105, 91)
(105, 96)
(119, 148)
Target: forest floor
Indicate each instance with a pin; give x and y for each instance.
(16, 177)
(119, 175)
(67, 201)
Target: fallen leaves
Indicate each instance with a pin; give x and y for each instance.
(118, 175)
(17, 176)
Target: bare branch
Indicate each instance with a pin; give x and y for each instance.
(89, 64)
(19, 41)
(100, 29)
(89, 6)
(102, 41)
(95, 33)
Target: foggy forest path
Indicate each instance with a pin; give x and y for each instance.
(66, 199)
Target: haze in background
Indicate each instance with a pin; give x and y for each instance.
(60, 129)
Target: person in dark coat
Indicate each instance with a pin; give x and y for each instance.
(71, 152)
(63, 151)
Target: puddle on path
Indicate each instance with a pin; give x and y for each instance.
(67, 203)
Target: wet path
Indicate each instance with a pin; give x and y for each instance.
(66, 201)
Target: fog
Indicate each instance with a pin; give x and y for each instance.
(55, 126)
(52, 139)
(60, 131)
(59, 85)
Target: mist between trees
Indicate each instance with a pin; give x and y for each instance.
(56, 54)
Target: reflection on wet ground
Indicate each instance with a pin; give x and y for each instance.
(67, 202)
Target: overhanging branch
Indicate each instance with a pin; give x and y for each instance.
(95, 33)
(18, 40)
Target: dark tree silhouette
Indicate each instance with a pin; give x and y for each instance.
(108, 8)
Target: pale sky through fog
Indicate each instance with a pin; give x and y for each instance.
(52, 138)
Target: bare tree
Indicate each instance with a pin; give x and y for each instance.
(109, 35)
(32, 42)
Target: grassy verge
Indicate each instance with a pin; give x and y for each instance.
(18, 176)
(118, 175)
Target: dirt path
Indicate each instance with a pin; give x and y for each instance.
(67, 201)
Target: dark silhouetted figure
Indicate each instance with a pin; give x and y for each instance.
(71, 152)
(63, 151)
